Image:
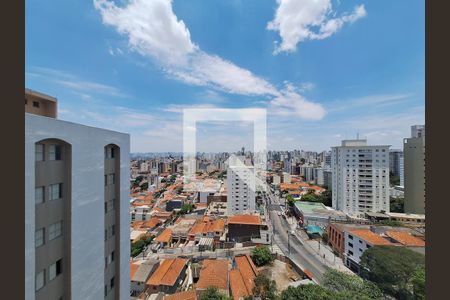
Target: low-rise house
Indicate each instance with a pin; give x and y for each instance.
(408, 219)
(168, 276)
(139, 275)
(165, 238)
(316, 213)
(210, 228)
(336, 235)
(242, 228)
(242, 277)
(186, 295)
(358, 241)
(214, 273)
(140, 213)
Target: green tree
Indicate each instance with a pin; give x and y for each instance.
(418, 282)
(397, 204)
(186, 208)
(261, 256)
(310, 198)
(290, 200)
(326, 198)
(212, 293)
(307, 292)
(391, 268)
(352, 286)
(265, 288)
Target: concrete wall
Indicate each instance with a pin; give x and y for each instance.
(87, 200)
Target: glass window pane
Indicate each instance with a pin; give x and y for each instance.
(40, 280)
(39, 152)
(39, 194)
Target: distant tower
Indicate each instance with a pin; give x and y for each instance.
(243, 151)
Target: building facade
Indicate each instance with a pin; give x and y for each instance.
(414, 160)
(396, 164)
(76, 208)
(241, 189)
(360, 177)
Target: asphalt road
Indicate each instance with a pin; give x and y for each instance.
(298, 253)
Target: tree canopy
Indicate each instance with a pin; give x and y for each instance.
(261, 256)
(265, 288)
(393, 269)
(212, 293)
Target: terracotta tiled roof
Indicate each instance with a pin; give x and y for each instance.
(187, 295)
(152, 223)
(405, 238)
(245, 219)
(167, 272)
(237, 285)
(165, 236)
(214, 273)
(242, 278)
(370, 237)
(133, 268)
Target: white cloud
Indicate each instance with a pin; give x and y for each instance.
(301, 20)
(178, 108)
(154, 31)
(291, 103)
(368, 101)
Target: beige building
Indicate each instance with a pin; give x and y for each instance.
(76, 207)
(414, 164)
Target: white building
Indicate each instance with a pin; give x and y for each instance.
(356, 242)
(240, 189)
(360, 177)
(76, 207)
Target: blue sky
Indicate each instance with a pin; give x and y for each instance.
(324, 70)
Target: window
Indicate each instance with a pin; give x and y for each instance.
(350, 245)
(36, 104)
(112, 153)
(350, 252)
(112, 256)
(55, 269)
(55, 191)
(106, 290)
(26, 101)
(54, 230)
(39, 237)
(350, 237)
(39, 152)
(40, 280)
(112, 282)
(54, 152)
(39, 194)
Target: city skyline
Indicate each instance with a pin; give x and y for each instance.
(327, 83)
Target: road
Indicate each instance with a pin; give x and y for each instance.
(298, 253)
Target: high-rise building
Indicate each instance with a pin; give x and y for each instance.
(360, 177)
(240, 188)
(396, 163)
(414, 161)
(417, 131)
(76, 207)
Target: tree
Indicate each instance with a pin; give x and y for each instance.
(307, 292)
(212, 293)
(265, 287)
(418, 282)
(290, 200)
(310, 198)
(352, 286)
(186, 208)
(326, 198)
(394, 180)
(397, 204)
(261, 256)
(392, 268)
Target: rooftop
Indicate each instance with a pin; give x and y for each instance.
(186, 295)
(242, 278)
(214, 273)
(370, 237)
(405, 238)
(168, 272)
(245, 219)
(165, 236)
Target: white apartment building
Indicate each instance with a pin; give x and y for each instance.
(240, 189)
(140, 213)
(360, 177)
(76, 207)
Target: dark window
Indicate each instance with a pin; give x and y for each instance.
(106, 290)
(112, 256)
(112, 282)
(58, 267)
(112, 153)
(26, 101)
(350, 237)
(35, 104)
